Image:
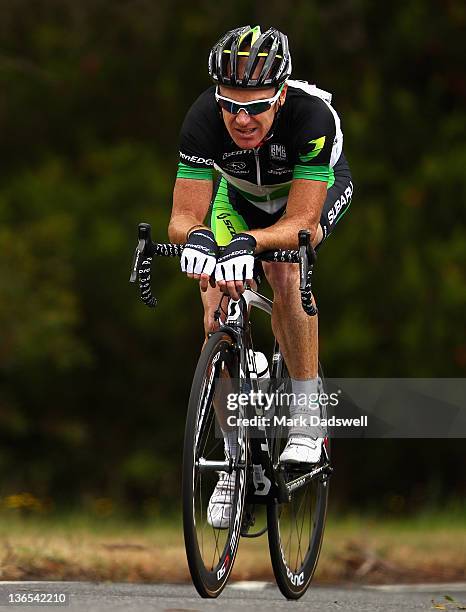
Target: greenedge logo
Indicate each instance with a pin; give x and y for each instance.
(318, 146)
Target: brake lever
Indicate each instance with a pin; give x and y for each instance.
(144, 235)
(307, 257)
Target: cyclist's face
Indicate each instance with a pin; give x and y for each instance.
(248, 131)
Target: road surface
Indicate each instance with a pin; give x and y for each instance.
(239, 597)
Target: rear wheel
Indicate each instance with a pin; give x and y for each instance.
(210, 552)
(296, 528)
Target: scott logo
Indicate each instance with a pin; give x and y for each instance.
(228, 223)
(240, 152)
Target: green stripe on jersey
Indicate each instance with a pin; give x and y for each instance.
(312, 173)
(201, 174)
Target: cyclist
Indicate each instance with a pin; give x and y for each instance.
(277, 146)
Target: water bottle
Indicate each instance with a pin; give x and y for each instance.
(262, 365)
(263, 376)
(263, 373)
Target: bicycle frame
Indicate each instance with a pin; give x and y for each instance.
(268, 479)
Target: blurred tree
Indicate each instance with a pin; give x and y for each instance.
(93, 387)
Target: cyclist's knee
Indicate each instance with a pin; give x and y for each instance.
(283, 278)
(210, 324)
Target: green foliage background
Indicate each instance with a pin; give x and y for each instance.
(93, 386)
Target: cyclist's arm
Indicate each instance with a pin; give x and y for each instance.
(194, 181)
(191, 200)
(303, 211)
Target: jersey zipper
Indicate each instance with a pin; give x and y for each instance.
(258, 167)
(258, 171)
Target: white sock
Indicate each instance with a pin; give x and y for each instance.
(306, 394)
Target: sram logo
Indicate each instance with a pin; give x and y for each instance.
(342, 201)
(296, 579)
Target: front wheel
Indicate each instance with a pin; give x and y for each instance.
(211, 551)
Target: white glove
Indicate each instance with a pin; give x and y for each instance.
(200, 253)
(237, 260)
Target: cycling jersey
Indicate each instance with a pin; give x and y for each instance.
(305, 142)
(230, 213)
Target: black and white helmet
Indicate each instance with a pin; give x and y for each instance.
(254, 45)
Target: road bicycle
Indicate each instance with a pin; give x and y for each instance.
(295, 497)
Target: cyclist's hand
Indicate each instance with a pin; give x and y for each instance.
(236, 265)
(200, 256)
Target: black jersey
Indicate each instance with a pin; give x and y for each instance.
(306, 142)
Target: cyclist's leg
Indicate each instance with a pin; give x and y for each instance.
(288, 313)
(225, 222)
(297, 335)
(288, 316)
(301, 350)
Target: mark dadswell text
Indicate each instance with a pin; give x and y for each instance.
(284, 421)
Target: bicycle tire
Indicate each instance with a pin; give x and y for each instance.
(294, 581)
(209, 577)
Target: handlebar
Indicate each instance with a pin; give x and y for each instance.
(147, 249)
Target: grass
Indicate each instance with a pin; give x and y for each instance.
(430, 547)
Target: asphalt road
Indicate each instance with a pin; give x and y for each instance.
(94, 597)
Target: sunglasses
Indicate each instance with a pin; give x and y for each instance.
(256, 107)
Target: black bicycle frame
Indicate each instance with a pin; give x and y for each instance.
(268, 480)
